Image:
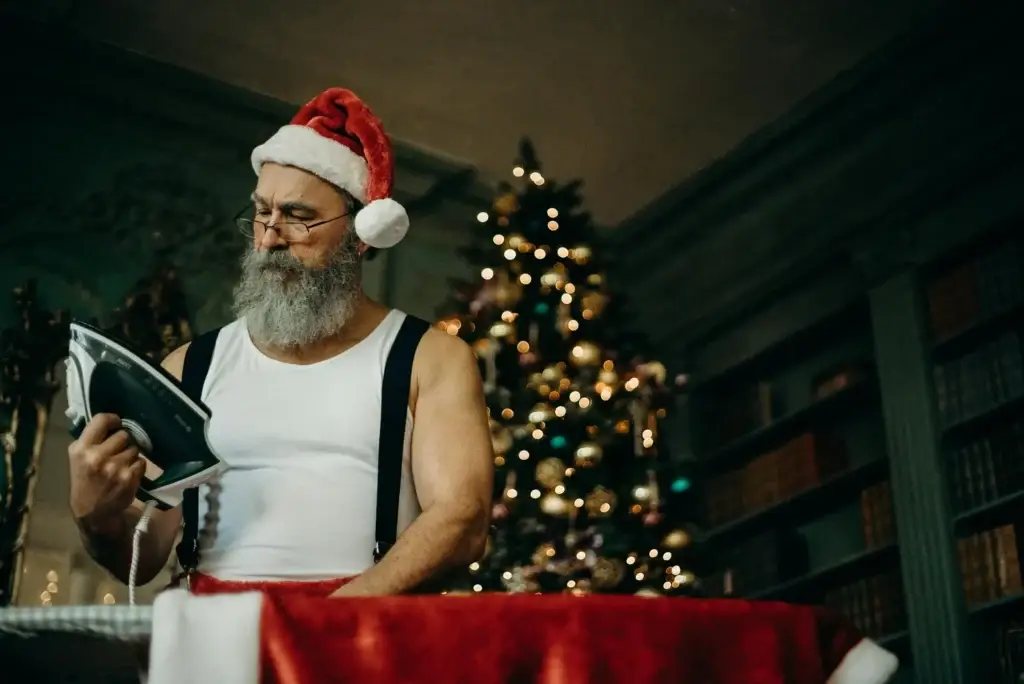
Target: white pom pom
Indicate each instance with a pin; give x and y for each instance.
(382, 223)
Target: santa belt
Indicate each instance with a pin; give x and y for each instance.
(198, 583)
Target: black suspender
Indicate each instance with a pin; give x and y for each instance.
(391, 448)
(193, 376)
(394, 407)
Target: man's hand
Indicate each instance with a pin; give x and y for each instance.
(452, 468)
(106, 469)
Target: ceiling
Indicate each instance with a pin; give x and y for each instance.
(632, 96)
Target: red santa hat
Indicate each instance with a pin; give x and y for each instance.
(336, 137)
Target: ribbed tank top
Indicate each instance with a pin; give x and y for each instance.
(298, 499)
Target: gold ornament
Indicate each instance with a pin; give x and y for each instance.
(555, 277)
(550, 473)
(643, 498)
(676, 539)
(501, 329)
(588, 454)
(554, 373)
(544, 553)
(501, 438)
(600, 502)
(507, 204)
(585, 354)
(594, 301)
(608, 377)
(656, 370)
(581, 254)
(607, 573)
(554, 505)
(506, 290)
(541, 413)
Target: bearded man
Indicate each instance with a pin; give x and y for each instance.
(356, 438)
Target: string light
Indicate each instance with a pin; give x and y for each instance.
(487, 273)
(518, 171)
(537, 178)
(552, 212)
(553, 226)
(482, 217)
(499, 239)
(510, 254)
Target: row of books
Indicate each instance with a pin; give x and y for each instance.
(990, 565)
(797, 466)
(983, 287)
(981, 379)
(874, 604)
(876, 514)
(759, 564)
(988, 468)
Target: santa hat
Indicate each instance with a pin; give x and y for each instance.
(336, 137)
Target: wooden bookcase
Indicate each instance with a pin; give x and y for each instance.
(795, 491)
(975, 304)
(802, 441)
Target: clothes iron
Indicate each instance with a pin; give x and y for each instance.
(169, 428)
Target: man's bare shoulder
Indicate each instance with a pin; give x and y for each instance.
(441, 354)
(174, 362)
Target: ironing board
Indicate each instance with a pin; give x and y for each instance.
(74, 644)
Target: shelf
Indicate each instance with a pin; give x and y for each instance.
(849, 567)
(998, 606)
(963, 341)
(975, 425)
(895, 641)
(783, 429)
(987, 515)
(831, 326)
(831, 492)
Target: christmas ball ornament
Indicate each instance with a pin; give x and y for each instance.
(585, 354)
(550, 473)
(676, 539)
(554, 373)
(501, 438)
(588, 454)
(600, 502)
(543, 555)
(506, 204)
(595, 301)
(607, 573)
(541, 413)
(501, 329)
(555, 277)
(581, 254)
(554, 505)
(643, 497)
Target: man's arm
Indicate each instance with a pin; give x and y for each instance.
(109, 542)
(452, 468)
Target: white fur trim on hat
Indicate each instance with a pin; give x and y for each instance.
(304, 148)
(382, 223)
(865, 663)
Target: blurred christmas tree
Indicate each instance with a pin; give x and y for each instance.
(586, 498)
(154, 318)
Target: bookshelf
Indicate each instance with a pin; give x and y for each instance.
(794, 489)
(975, 305)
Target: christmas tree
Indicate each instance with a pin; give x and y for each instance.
(586, 497)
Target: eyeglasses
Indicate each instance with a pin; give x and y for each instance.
(290, 231)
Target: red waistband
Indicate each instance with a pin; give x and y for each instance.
(205, 584)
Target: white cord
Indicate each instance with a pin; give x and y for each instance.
(141, 528)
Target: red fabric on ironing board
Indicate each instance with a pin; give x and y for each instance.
(501, 639)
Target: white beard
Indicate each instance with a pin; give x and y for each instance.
(287, 304)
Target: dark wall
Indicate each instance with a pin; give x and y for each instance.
(111, 162)
(920, 143)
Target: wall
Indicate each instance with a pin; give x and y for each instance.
(112, 160)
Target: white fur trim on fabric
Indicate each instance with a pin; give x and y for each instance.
(205, 639)
(865, 663)
(382, 223)
(304, 148)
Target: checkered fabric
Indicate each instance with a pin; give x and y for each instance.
(124, 623)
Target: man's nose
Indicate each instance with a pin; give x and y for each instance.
(271, 238)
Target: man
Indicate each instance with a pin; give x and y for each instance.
(295, 390)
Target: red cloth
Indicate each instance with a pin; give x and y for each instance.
(549, 639)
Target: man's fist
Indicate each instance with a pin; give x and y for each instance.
(106, 469)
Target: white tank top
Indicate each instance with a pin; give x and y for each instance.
(298, 501)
